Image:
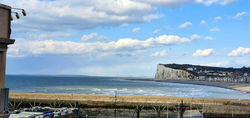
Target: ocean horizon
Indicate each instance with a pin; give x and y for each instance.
(83, 84)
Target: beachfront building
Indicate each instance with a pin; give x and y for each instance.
(5, 13)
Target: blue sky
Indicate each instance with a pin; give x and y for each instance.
(127, 37)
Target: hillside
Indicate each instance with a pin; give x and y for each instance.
(208, 68)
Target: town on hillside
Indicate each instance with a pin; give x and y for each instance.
(214, 73)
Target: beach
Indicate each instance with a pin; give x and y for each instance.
(103, 104)
(123, 99)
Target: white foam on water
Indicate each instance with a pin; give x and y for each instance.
(155, 89)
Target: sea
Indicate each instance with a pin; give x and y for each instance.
(114, 85)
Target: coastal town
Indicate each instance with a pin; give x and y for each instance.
(95, 59)
(206, 73)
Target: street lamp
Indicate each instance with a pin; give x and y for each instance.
(17, 14)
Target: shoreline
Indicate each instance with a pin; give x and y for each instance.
(123, 98)
(242, 87)
(109, 103)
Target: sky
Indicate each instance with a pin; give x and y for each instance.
(126, 37)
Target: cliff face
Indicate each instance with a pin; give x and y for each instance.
(164, 72)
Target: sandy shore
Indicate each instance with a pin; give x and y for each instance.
(209, 106)
(243, 87)
(123, 99)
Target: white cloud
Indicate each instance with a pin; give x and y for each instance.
(203, 53)
(184, 25)
(217, 64)
(218, 18)
(159, 54)
(240, 14)
(203, 22)
(45, 15)
(49, 35)
(209, 38)
(94, 37)
(166, 3)
(177, 3)
(58, 15)
(241, 51)
(221, 2)
(135, 30)
(215, 29)
(225, 2)
(167, 40)
(34, 47)
(195, 36)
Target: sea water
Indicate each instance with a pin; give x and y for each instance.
(112, 85)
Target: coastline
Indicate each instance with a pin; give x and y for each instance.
(106, 104)
(123, 99)
(243, 87)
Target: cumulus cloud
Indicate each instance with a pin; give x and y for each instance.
(203, 53)
(58, 15)
(241, 51)
(135, 30)
(203, 22)
(209, 38)
(45, 15)
(184, 25)
(34, 47)
(240, 14)
(93, 37)
(218, 18)
(159, 54)
(215, 29)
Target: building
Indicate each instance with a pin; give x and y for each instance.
(5, 13)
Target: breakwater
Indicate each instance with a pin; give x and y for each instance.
(126, 105)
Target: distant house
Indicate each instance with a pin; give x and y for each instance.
(222, 74)
(245, 75)
(215, 74)
(191, 69)
(202, 77)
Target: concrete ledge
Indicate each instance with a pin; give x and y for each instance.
(5, 6)
(7, 41)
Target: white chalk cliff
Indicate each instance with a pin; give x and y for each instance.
(164, 73)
